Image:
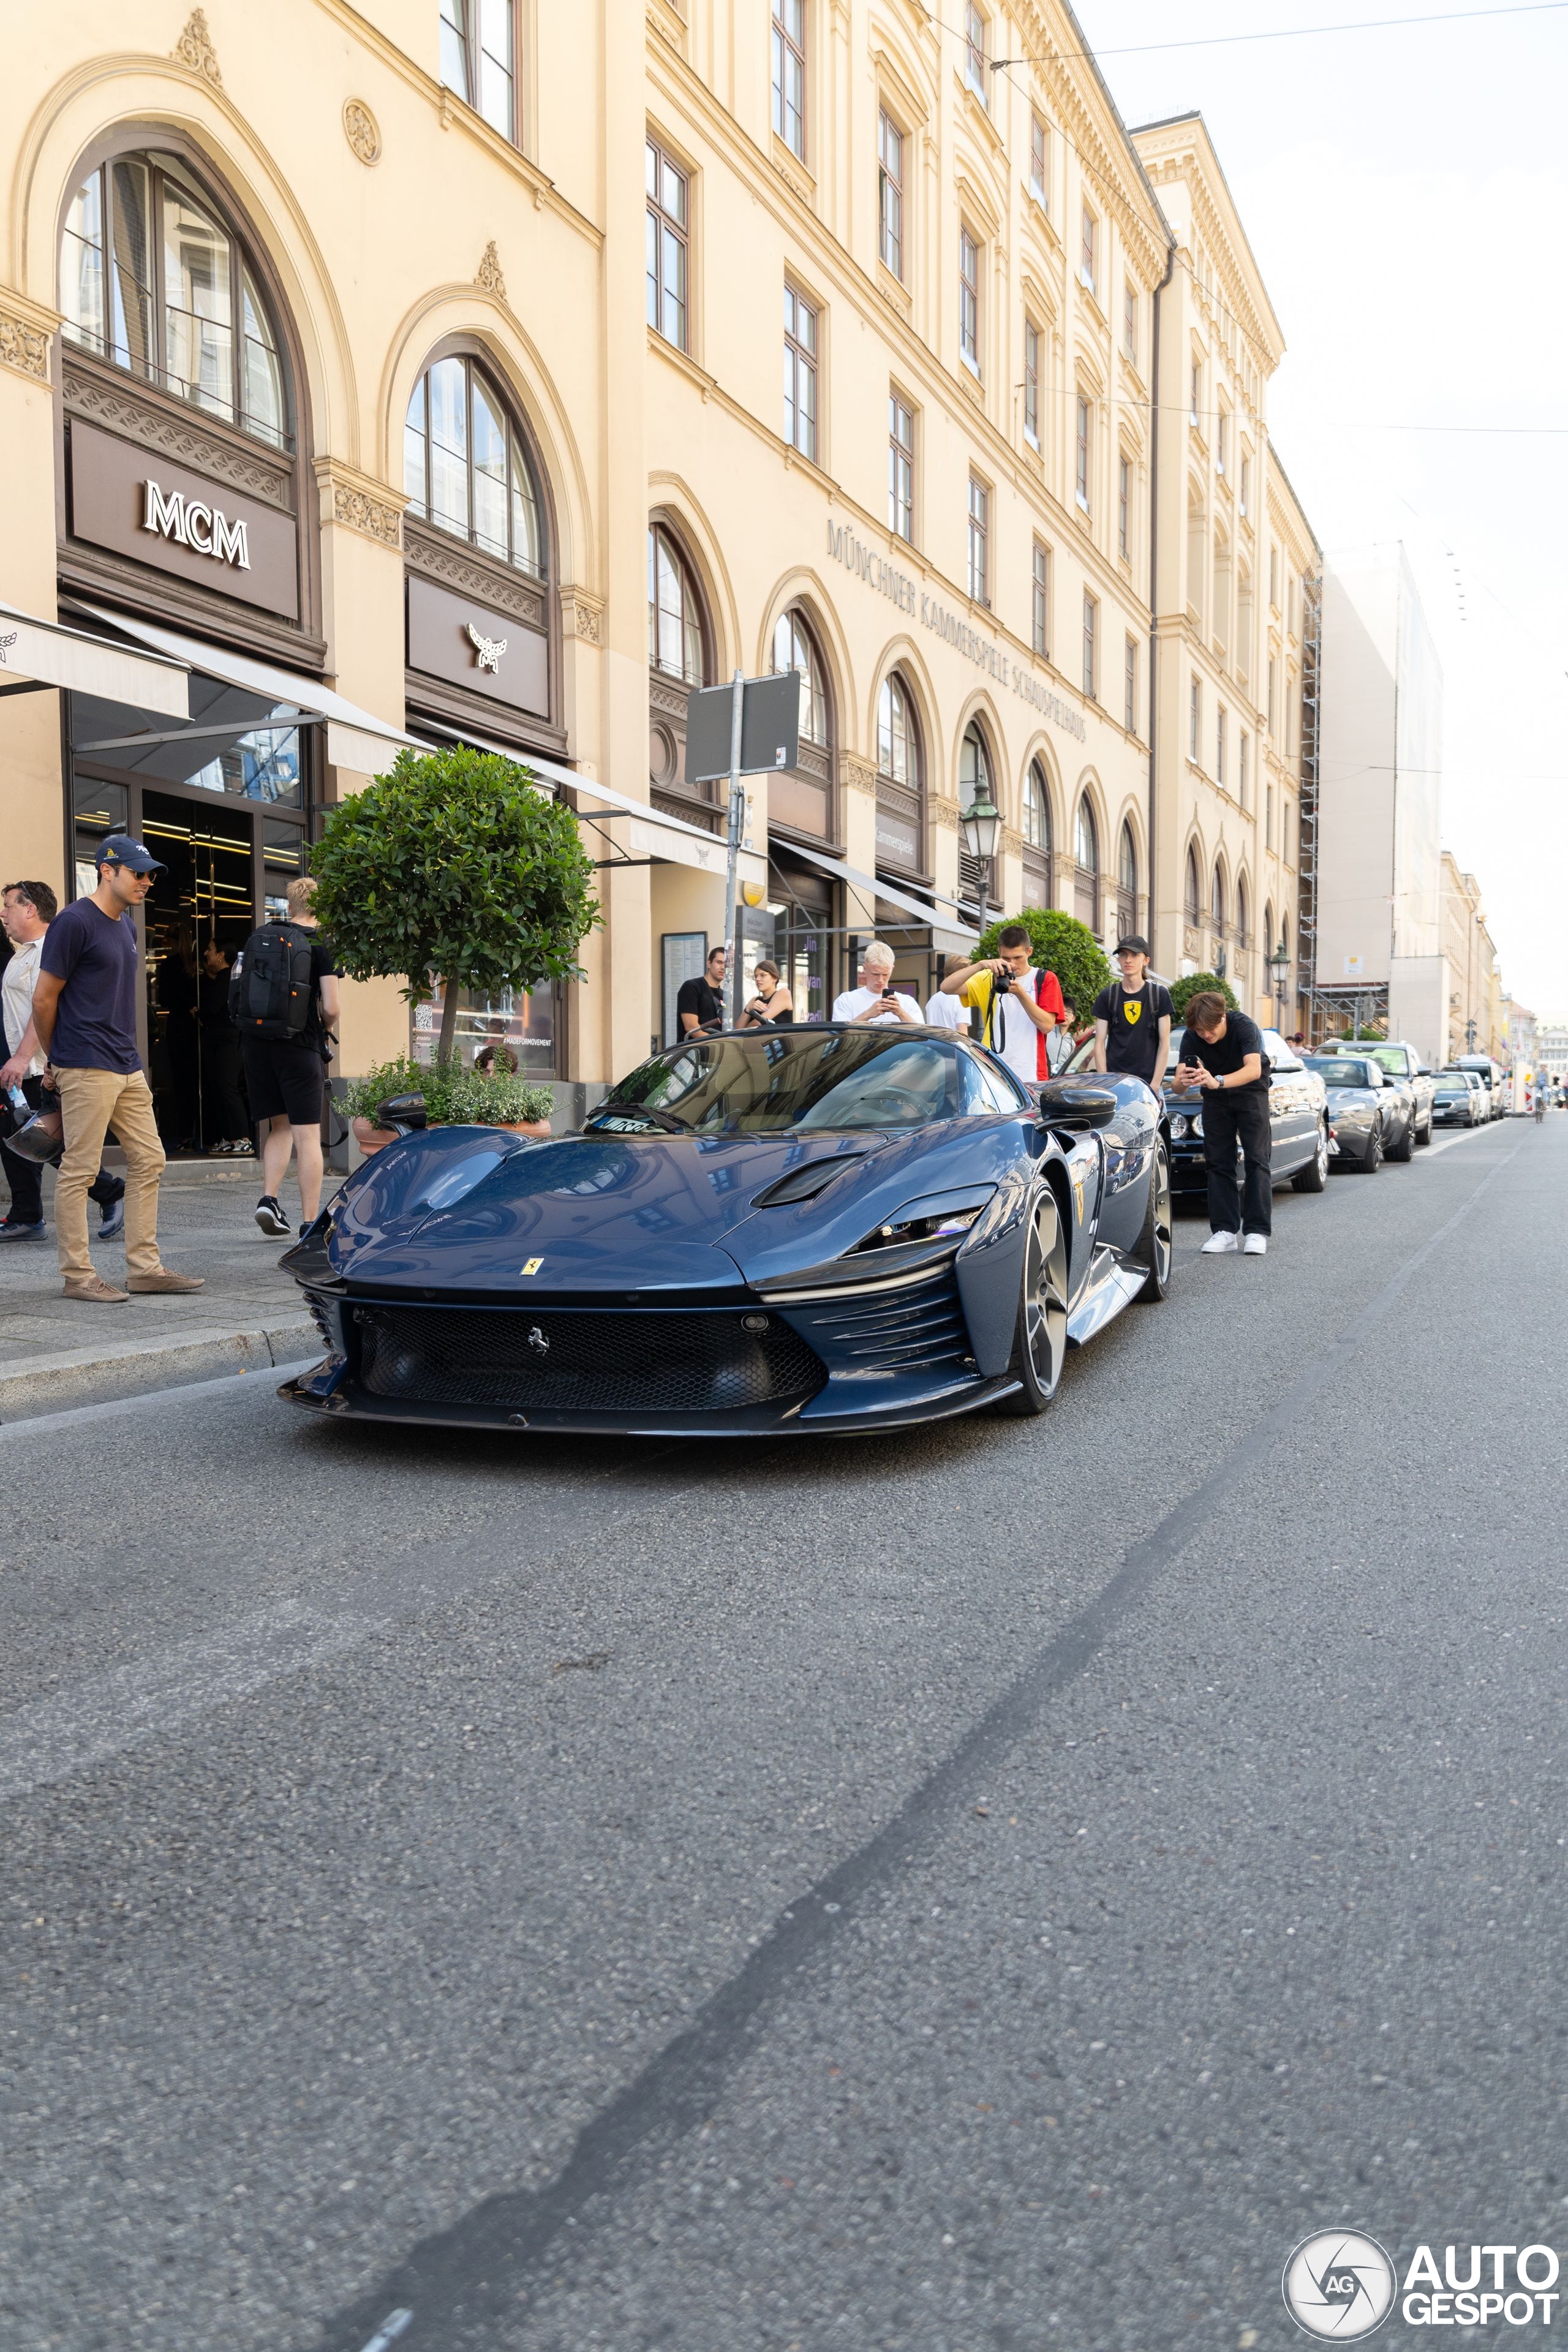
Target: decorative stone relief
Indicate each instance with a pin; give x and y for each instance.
(124, 413)
(488, 273)
(582, 616)
(945, 815)
(362, 131)
(23, 348)
(504, 591)
(856, 774)
(195, 49)
(370, 516)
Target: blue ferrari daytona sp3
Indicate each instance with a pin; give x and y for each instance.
(828, 1227)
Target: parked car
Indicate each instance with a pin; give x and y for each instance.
(1492, 1076)
(1373, 1115)
(1299, 1116)
(1400, 1061)
(1461, 1100)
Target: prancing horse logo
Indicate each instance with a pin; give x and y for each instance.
(488, 650)
(1131, 1012)
(537, 1342)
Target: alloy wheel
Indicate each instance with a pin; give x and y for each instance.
(1161, 1215)
(1046, 1294)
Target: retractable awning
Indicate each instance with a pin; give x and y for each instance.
(356, 739)
(650, 833)
(962, 929)
(35, 654)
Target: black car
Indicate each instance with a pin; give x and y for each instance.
(1298, 1113)
(1374, 1116)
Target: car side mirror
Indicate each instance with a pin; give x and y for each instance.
(1070, 1103)
(403, 1113)
(1422, 1071)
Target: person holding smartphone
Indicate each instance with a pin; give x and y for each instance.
(1223, 1061)
(876, 999)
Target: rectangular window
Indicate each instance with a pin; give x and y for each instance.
(1130, 320)
(1130, 686)
(1091, 637)
(1269, 819)
(1086, 259)
(1124, 507)
(1040, 602)
(1194, 718)
(1039, 163)
(974, 52)
(1197, 397)
(890, 193)
(969, 300)
(1222, 435)
(1031, 384)
(789, 74)
(1273, 682)
(800, 372)
(900, 469)
(1219, 744)
(667, 231)
(979, 541)
(478, 59)
(1243, 752)
(1274, 577)
(1246, 483)
(1082, 457)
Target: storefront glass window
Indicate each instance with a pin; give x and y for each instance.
(519, 1022)
(792, 649)
(263, 765)
(465, 468)
(897, 751)
(1036, 809)
(674, 617)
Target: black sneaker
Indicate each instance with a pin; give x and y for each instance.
(270, 1217)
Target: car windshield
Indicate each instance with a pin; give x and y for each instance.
(1393, 1059)
(1339, 1070)
(793, 1080)
(1451, 1090)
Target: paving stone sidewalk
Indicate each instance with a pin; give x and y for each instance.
(56, 1352)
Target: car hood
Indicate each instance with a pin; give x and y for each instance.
(460, 1208)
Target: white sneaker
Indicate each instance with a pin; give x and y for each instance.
(1255, 1245)
(1220, 1245)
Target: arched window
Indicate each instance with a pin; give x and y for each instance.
(1267, 930)
(676, 641)
(794, 649)
(897, 736)
(1036, 809)
(975, 777)
(465, 467)
(1241, 910)
(1216, 901)
(1191, 904)
(1127, 882)
(153, 279)
(1086, 879)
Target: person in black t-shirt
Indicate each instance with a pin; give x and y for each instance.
(1133, 1020)
(1223, 1058)
(286, 1078)
(700, 1004)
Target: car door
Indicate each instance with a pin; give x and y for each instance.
(1292, 1113)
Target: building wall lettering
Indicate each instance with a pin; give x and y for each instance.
(907, 593)
(205, 530)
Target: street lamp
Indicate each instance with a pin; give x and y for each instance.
(1279, 967)
(981, 822)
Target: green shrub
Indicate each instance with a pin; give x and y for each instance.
(1198, 984)
(1058, 943)
(452, 1097)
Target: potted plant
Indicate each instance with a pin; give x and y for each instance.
(452, 1096)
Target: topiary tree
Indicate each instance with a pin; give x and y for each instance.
(1198, 984)
(1058, 943)
(453, 866)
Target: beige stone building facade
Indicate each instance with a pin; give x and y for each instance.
(489, 376)
(1476, 1023)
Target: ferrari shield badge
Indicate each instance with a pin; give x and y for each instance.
(533, 1265)
(1131, 1012)
(1077, 1184)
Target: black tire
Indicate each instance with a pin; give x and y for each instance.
(1373, 1159)
(1315, 1176)
(1040, 1335)
(1406, 1147)
(1154, 1241)
(1425, 1137)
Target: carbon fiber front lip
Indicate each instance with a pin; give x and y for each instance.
(350, 1406)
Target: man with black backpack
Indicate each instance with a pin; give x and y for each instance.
(283, 997)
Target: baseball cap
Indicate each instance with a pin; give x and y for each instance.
(1132, 945)
(125, 849)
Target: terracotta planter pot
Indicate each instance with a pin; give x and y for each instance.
(372, 1139)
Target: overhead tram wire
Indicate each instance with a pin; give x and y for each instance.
(1280, 33)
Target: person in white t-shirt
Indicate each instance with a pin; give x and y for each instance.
(943, 1011)
(875, 1000)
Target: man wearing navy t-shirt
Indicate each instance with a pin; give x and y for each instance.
(84, 1010)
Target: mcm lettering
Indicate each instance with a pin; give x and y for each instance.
(205, 530)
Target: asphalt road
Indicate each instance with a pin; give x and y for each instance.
(994, 1888)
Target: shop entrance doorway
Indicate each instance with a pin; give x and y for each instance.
(197, 916)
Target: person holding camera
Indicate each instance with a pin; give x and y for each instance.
(1223, 1059)
(1019, 1004)
(876, 999)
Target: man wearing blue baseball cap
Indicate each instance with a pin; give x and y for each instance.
(84, 1009)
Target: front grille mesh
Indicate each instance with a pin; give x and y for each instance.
(910, 1330)
(565, 1363)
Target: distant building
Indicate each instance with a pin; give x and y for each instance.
(1474, 993)
(1551, 1047)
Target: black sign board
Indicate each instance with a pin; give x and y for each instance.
(770, 728)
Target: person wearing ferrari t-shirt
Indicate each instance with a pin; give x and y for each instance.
(1133, 1020)
(1223, 1058)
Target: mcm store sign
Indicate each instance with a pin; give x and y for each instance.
(152, 511)
(207, 528)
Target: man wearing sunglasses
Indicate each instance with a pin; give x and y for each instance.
(84, 1011)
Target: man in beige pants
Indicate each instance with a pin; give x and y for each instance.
(84, 1009)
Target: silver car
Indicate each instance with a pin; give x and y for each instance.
(1373, 1115)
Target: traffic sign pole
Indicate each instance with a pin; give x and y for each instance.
(732, 861)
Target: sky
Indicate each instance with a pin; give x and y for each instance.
(1405, 194)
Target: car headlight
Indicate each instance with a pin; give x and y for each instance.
(927, 1220)
(1180, 1130)
(1195, 1123)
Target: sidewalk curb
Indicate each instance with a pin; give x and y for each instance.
(102, 1375)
